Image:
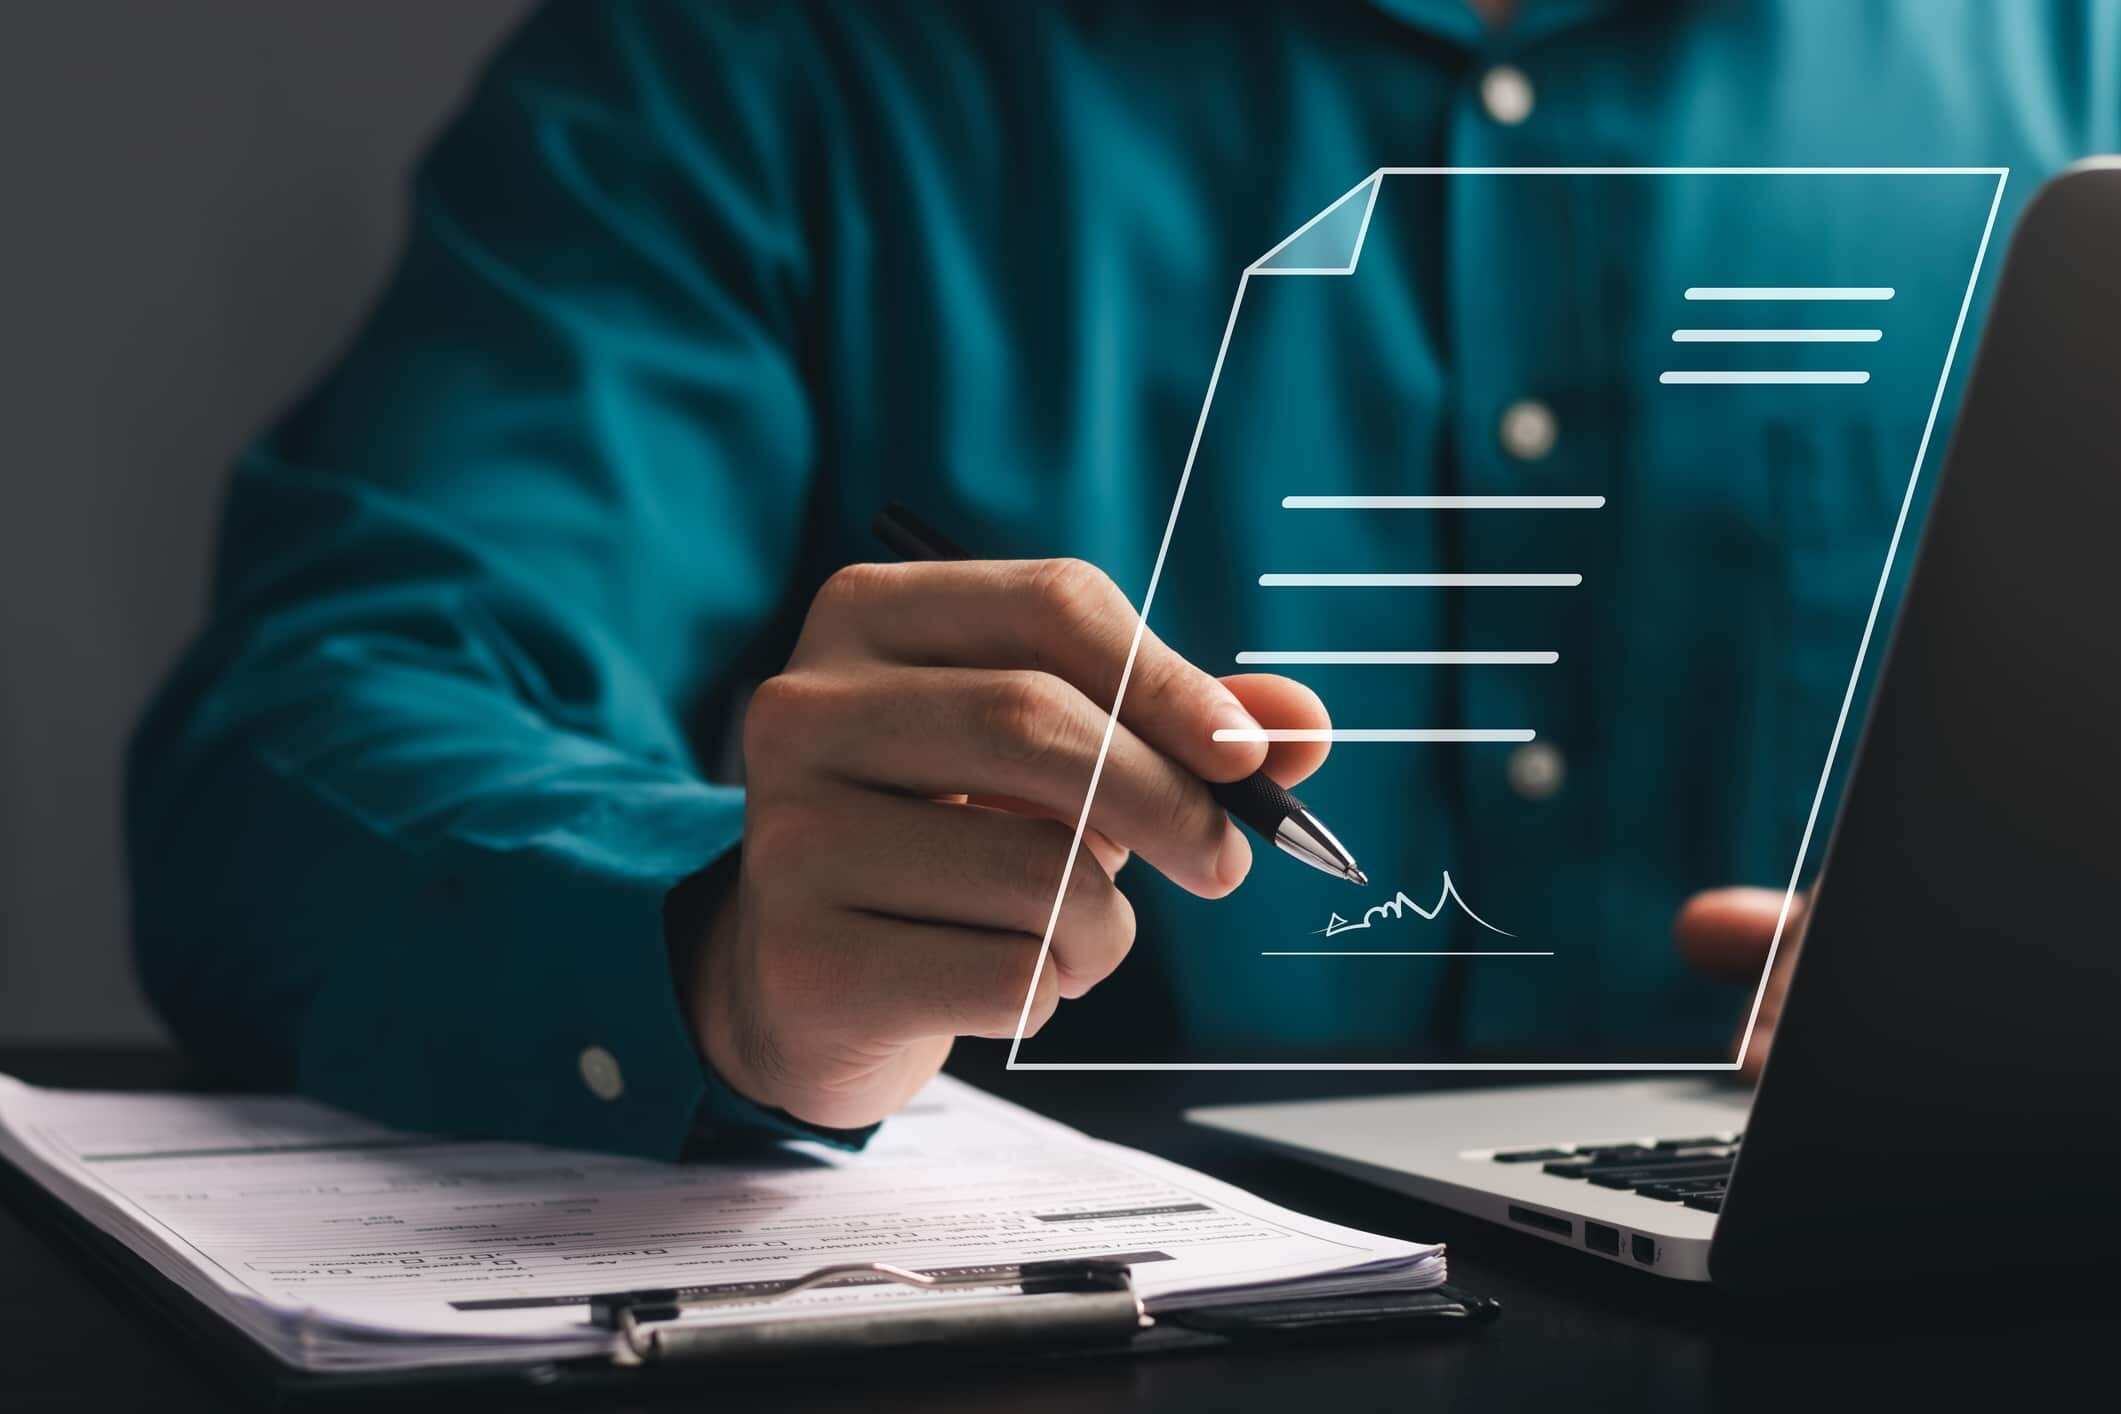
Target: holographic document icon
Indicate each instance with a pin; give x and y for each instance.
(1585, 546)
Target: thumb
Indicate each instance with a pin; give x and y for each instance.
(1724, 933)
(1276, 701)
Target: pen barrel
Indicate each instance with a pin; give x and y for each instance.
(1256, 801)
(1040, 1321)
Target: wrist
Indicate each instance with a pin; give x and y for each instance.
(700, 930)
(725, 1030)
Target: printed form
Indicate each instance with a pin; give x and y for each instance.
(338, 1243)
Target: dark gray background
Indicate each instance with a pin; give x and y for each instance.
(196, 200)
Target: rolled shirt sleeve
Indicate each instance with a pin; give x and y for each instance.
(404, 820)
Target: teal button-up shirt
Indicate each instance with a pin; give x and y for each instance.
(691, 290)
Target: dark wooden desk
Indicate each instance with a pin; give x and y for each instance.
(1575, 1333)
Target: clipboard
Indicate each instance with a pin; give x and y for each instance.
(1050, 1310)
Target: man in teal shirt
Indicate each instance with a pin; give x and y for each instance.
(438, 819)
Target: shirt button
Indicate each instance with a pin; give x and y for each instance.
(1535, 770)
(1528, 429)
(600, 1072)
(1507, 94)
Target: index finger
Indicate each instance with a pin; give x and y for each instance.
(1726, 932)
(1063, 617)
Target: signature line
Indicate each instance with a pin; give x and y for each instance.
(1399, 904)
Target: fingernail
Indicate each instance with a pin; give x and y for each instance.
(1234, 860)
(1232, 717)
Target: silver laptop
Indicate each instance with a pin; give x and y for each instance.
(1944, 1094)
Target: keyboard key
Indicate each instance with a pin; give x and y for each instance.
(1707, 1202)
(1635, 1175)
(1677, 1156)
(1709, 1141)
(1568, 1168)
(1621, 1154)
(1679, 1191)
(1528, 1156)
(1702, 1163)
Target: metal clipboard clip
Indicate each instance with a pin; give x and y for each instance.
(1086, 1302)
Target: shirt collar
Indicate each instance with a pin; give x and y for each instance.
(1535, 20)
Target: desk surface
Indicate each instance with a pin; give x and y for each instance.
(1575, 1333)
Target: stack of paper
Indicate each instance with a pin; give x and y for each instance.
(338, 1244)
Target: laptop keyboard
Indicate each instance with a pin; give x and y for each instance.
(1692, 1171)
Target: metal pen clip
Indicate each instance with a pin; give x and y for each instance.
(1054, 1302)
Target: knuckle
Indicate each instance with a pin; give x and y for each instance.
(1105, 933)
(1160, 680)
(1184, 812)
(774, 697)
(771, 718)
(1174, 691)
(1044, 1004)
(1071, 592)
(1045, 995)
(850, 589)
(1117, 916)
(1087, 883)
(1025, 717)
(1044, 862)
(1021, 975)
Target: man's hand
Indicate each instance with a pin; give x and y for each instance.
(912, 784)
(1725, 933)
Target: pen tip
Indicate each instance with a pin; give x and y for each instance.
(1356, 876)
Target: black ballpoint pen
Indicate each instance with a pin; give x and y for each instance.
(1256, 801)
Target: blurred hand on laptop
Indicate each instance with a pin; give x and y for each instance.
(1726, 933)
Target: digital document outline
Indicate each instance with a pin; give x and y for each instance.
(1261, 268)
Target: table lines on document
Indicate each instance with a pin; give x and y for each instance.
(453, 1223)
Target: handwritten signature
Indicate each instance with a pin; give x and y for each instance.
(1397, 906)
